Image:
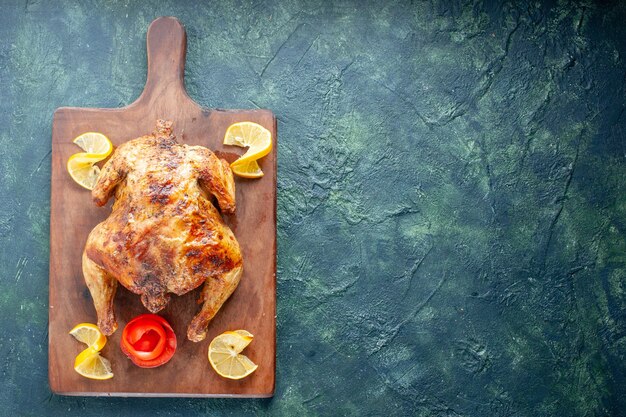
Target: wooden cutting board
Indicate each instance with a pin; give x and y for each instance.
(73, 216)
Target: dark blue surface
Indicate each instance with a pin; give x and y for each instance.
(452, 203)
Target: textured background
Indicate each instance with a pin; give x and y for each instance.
(452, 203)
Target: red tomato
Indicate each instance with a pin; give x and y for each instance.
(148, 340)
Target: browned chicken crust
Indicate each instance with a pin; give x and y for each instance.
(164, 235)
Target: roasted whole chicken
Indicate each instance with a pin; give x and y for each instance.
(164, 235)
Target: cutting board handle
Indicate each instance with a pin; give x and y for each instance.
(167, 47)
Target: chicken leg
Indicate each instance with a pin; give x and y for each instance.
(215, 292)
(102, 287)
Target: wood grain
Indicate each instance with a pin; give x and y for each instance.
(73, 215)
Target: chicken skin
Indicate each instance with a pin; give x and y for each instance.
(164, 235)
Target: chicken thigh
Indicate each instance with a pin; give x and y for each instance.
(164, 235)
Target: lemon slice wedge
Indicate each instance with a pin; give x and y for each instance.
(81, 166)
(94, 143)
(90, 335)
(247, 169)
(225, 354)
(252, 135)
(91, 365)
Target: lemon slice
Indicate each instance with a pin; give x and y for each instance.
(95, 143)
(225, 357)
(91, 365)
(90, 335)
(257, 138)
(247, 169)
(81, 166)
(82, 169)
